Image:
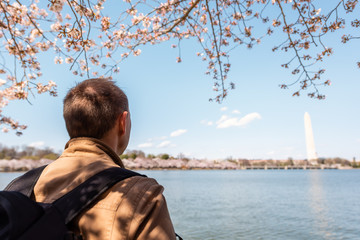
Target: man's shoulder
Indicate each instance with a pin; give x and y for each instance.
(131, 190)
(138, 185)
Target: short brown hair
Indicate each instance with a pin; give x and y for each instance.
(92, 107)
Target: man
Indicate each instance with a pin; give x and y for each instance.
(97, 118)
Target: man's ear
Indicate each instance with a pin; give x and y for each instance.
(122, 121)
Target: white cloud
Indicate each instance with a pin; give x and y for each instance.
(249, 118)
(222, 118)
(37, 144)
(145, 145)
(236, 112)
(164, 144)
(208, 123)
(226, 121)
(178, 132)
(223, 109)
(157, 138)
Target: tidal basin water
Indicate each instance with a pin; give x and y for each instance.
(260, 204)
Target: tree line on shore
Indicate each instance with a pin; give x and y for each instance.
(27, 152)
(133, 154)
(28, 157)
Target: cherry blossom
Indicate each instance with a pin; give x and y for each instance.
(92, 42)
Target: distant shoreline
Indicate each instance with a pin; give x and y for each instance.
(23, 165)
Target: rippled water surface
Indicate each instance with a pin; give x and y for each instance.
(259, 204)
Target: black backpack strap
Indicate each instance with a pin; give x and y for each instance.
(178, 237)
(74, 202)
(25, 183)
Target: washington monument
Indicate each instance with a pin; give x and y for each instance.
(310, 145)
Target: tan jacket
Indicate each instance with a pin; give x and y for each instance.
(132, 209)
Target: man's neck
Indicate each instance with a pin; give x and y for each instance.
(112, 141)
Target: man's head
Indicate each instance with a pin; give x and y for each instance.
(93, 107)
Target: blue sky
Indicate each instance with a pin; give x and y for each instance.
(171, 113)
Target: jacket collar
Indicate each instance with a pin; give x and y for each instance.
(101, 145)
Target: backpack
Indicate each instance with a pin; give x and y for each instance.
(24, 219)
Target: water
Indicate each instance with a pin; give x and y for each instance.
(258, 204)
